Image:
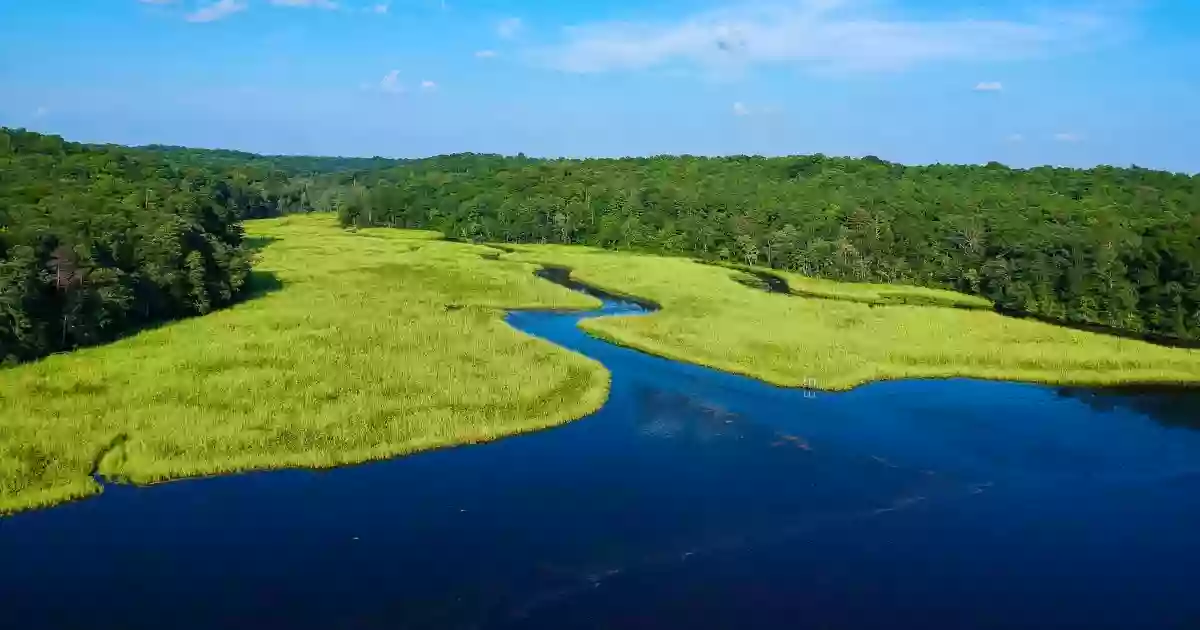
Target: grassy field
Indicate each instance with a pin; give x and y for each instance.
(373, 344)
(868, 293)
(382, 342)
(710, 319)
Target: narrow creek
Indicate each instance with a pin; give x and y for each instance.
(692, 499)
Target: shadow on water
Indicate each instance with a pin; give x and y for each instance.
(693, 499)
(768, 282)
(562, 276)
(1176, 407)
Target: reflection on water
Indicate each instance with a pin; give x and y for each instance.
(693, 499)
(1177, 407)
(676, 415)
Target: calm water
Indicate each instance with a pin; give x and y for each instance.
(693, 500)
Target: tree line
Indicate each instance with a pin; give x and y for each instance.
(1115, 247)
(99, 240)
(96, 240)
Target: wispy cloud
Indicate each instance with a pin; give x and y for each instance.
(390, 83)
(428, 85)
(485, 54)
(509, 28)
(41, 111)
(1068, 137)
(216, 10)
(989, 86)
(827, 34)
(1015, 138)
(741, 109)
(380, 8)
(320, 4)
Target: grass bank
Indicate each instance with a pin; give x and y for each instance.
(372, 344)
(865, 292)
(852, 335)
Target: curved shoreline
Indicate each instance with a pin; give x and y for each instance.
(561, 275)
(846, 381)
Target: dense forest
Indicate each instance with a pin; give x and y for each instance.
(96, 240)
(1116, 247)
(291, 165)
(99, 240)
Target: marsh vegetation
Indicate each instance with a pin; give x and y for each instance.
(375, 344)
(852, 335)
(355, 338)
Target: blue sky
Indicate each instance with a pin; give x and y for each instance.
(1023, 82)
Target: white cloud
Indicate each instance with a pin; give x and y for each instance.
(216, 10)
(381, 8)
(509, 28)
(989, 86)
(485, 54)
(320, 4)
(826, 34)
(1014, 138)
(428, 85)
(41, 111)
(1068, 137)
(740, 109)
(390, 83)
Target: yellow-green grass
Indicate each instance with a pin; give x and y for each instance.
(375, 344)
(709, 318)
(869, 293)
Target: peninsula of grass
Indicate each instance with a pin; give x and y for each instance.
(374, 344)
(869, 293)
(850, 336)
(384, 342)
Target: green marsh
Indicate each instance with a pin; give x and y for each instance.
(374, 344)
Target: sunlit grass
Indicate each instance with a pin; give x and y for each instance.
(376, 343)
(709, 318)
(385, 342)
(869, 293)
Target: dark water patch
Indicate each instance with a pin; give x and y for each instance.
(768, 282)
(562, 276)
(114, 449)
(694, 499)
(1177, 407)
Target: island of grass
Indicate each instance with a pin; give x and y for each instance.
(852, 335)
(374, 344)
(384, 342)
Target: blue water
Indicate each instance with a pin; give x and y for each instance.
(692, 500)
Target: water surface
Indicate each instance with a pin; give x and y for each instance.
(693, 499)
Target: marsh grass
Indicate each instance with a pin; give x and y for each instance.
(348, 352)
(869, 293)
(848, 337)
(376, 343)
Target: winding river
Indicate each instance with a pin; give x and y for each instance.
(694, 499)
